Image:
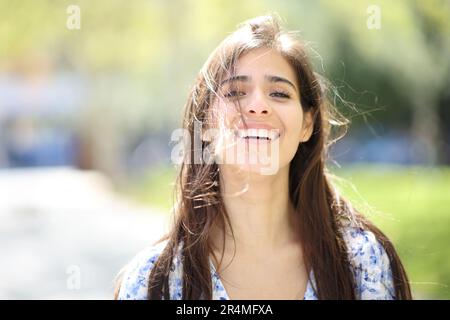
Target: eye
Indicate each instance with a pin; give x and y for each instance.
(234, 94)
(280, 94)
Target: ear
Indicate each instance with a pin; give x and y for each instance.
(307, 127)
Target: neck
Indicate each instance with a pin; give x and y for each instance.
(259, 209)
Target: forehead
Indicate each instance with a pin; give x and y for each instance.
(260, 62)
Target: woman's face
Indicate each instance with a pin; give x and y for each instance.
(267, 91)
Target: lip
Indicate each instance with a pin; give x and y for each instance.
(256, 126)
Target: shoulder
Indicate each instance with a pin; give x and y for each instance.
(135, 275)
(370, 265)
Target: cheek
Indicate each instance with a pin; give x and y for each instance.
(218, 114)
(291, 140)
(292, 120)
(226, 114)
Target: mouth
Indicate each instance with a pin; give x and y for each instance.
(259, 134)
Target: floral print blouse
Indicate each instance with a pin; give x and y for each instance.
(370, 267)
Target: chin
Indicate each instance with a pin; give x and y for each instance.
(255, 169)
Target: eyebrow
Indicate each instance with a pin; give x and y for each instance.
(269, 78)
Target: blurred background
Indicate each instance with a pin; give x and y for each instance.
(90, 93)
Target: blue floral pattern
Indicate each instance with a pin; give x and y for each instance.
(369, 264)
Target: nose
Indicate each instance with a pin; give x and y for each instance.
(258, 105)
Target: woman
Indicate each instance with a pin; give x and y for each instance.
(252, 229)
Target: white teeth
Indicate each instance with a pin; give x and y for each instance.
(258, 134)
(274, 134)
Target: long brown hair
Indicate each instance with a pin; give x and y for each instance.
(320, 208)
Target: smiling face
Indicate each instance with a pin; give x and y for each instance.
(265, 91)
